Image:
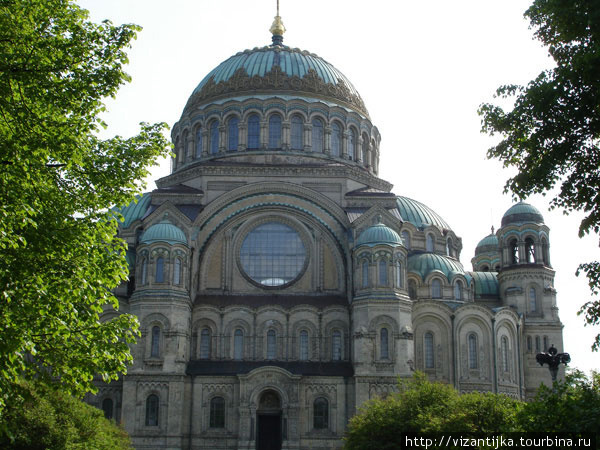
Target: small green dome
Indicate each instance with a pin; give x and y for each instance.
(522, 213)
(486, 284)
(487, 244)
(425, 263)
(379, 234)
(135, 210)
(164, 231)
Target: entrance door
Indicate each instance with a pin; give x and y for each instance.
(269, 432)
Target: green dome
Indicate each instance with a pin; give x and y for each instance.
(135, 210)
(280, 69)
(486, 284)
(164, 231)
(419, 215)
(522, 213)
(487, 244)
(425, 263)
(379, 234)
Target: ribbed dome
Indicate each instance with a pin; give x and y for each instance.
(164, 231)
(419, 215)
(522, 213)
(425, 263)
(135, 210)
(281, 69)
(379, 234)
(487, 244)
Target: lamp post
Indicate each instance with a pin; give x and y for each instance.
(553, 359)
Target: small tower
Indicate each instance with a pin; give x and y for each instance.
(526, 281)
(381, 309)
(487, 254)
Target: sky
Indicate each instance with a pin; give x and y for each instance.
(422, 69)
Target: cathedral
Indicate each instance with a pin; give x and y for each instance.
(280, 283)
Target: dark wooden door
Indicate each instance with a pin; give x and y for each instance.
(269, 432)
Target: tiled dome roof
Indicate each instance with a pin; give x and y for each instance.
(425, 263)
(419, 214)
(522, 213)
(379, 234)
(164, 231)
(487, 244)
(280, 69)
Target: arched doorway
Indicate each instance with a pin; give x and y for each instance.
(268, 421)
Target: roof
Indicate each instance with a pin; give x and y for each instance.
(379, 234)
(487, 244)
(486, 284)
(278, 68)
(425, 263)
(419, 214)
(522, 213)
(135, 210)
(164, 231)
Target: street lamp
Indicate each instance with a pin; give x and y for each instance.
(553, 359)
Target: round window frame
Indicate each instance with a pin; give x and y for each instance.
(250, 226)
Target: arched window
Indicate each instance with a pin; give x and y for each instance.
(233, 134)
(537, 344)
(144, 270)
(186, 144)
(412, 289)
(177, 271)
(485, 268)
(429, 242)
(406, 239)
(504, 349)
(317, 135)
(458, 290)
(545, 343)
(214, 137)
(217, 412)
(198, 142)
(384, 343)
(352, 139)
(297, 132)
(107, 408)
(155, 342)
(449, 248)
(321, 413)
(428, 350)
(530, 250)
(205, 343)
(271, 344)
(532, 300)
(336, 345)
(303, 354)
(365, 150)
(497, 268)
(238, 344)
(513, 248)
(545, 257)
(152, 411)
(473, 360)
(399, 278)
(529, 345)
(436, 288)
(160, 270)
(365, 274)
(253, 132)
(275, 131)
(336, 139)
(383, 275)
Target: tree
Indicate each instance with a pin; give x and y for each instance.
(424, 407)
(552, 134)
(60, 253)
(572, 405)
(44, 418)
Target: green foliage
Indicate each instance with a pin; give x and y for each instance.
(45, 418)
(552, 134)
(60, 253)
(572, 405)
(425, 407)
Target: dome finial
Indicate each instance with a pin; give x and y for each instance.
(277, 28)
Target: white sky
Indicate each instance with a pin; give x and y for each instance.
(422, 68)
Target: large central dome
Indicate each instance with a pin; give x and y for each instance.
(278, 68)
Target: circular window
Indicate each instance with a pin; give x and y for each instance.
(272, 254)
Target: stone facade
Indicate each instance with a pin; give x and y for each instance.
(280, 284)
